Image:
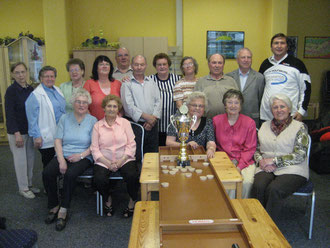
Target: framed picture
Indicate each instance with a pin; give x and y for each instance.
(225, 42)
(317, 47)
(292, 45)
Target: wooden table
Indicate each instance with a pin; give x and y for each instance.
(226, 170)
(260, 228)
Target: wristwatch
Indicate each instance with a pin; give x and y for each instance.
(81, 156)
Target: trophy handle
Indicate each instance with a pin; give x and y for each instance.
(194, 120)
(172, 119)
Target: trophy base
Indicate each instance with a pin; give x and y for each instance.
(183, 163)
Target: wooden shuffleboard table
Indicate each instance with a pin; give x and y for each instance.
(194, 208)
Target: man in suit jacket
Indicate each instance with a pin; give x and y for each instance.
(250, 83)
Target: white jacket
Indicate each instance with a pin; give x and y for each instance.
(46, 121)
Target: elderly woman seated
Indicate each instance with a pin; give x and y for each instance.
(202, 133)
(113, 148)
(236, 135)
(281, 156)
(72, 142)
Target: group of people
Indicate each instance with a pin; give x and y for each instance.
(74, 126)
(81, 124)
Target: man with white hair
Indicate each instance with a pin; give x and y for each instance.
(215, 85)
(250, 83)
(123, 69)
(142, 103)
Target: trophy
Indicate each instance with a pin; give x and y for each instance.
(182, 124)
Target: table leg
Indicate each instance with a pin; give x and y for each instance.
(239, 187)
(144, 192)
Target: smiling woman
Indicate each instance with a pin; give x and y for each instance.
(72, 142)
(281, 156)
(76, 69)
(202, 133)
(236, 135)
(101, 84)
(21, 144)
(44, 108)
(185, 85)
(165, 82)
(113, 148)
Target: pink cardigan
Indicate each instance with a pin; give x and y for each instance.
(114, 141)
(238, 141)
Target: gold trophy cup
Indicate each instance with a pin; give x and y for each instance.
(182, 124)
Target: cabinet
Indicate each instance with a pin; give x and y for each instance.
(28, 51)
(147, 46)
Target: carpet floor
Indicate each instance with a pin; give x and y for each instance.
(86, 229)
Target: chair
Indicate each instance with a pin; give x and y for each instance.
(139, 139)
(89, 173)
(308, 190)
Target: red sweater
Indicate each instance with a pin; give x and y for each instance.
(93, 87)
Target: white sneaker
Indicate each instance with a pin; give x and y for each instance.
(34, 190)
(27, 194)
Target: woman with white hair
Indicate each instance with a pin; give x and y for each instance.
(281, 156)
(73, 156)
(202, 132)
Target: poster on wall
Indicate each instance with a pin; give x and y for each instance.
(292, 45)
(317, 47)
(225, 42)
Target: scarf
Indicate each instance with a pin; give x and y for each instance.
(277, 127)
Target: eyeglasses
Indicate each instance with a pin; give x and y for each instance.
(197, 105)
(187, 65)
(81, 102)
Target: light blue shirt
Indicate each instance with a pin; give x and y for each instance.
(33, 109)
(141, 98)
(76, 137)
(243, 78)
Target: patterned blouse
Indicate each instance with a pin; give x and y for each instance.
(299, 151)
(203, 134)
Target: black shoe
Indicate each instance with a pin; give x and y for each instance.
(61, 223)
(108, 211)
(51, 217)
(128, 212)
(2, 223)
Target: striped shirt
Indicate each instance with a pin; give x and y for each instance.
(182, 89)
(166, 95)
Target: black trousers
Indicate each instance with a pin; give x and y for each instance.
(271, 190)
(47, 155)
(151, 140)
(162, 138)
(130, 173)
(49, 177)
